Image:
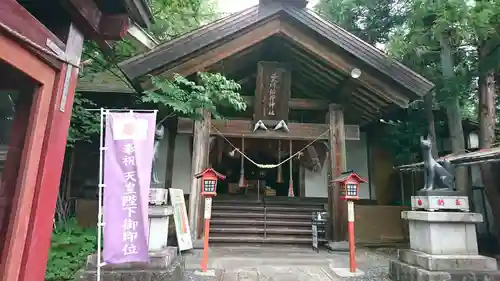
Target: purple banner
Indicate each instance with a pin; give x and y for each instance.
(129, 140)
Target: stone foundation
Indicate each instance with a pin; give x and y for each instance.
(443, 247)
(163, 265)
(401, 271)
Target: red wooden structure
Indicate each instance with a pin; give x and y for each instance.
(40, 47)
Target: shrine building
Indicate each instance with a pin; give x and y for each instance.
(313, 92)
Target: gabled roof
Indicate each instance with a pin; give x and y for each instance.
(343, 177)
(216, 33)
(108, 81)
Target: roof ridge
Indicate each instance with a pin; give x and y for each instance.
(171, 42)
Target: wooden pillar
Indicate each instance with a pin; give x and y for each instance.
(201, 139)
(169, 169)
(337, 209)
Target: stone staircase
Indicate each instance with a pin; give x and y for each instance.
(273, 220)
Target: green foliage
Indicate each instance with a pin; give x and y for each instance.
(71, 244)
(372, 21)
(174, 17)
(171, 18)
(184, 97)
(84, 123)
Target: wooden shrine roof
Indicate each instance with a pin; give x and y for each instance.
(323, 55)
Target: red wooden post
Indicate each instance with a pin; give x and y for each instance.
(209, 179)
(204, 261)
(350, 228)
(24, 60)
(51, 163)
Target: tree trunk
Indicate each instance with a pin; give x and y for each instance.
(431, 129)
(201, 136)
(453, 112)
(487, 116)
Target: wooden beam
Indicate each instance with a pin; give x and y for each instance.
(14, 17)
(114, 27)
(94, 23)
(200, 63)
(244, 128)
(305, 104)
(339, 62)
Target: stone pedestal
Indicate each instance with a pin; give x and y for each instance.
(159, 216)
(443, 233)
(163, 265)
(443, 246)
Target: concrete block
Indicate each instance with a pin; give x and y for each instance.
(400, 271)
(210, 275)
(447, 262)
(346, 272)
(443, 233)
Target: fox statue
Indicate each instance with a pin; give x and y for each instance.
(436, 176)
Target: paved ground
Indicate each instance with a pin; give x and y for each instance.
(287, 264)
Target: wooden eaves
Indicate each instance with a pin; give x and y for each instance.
(321, 47)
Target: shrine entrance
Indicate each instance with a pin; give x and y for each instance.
(248, 178)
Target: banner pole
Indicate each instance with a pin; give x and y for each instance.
(100, 186)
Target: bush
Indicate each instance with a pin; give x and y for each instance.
(71, 244)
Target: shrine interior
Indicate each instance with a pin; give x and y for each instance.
(256, 180)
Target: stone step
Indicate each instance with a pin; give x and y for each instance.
(288, 220)
(261, 230)
(234, 208)
(281, 239)
(284, 209)
(228, 214)
(218, 221)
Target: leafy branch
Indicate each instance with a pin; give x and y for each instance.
(181, 96)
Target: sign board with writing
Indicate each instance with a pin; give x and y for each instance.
(208, 208)
(433, 203)
(272, 91)
(181, 220)
(315, 237)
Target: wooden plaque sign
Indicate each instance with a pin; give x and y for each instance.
(272, 91)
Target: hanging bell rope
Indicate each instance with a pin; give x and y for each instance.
(290, 183)
(270, 166)
(242, 182)
(279, 178)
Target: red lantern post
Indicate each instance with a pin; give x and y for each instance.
(349, 191)
(209, 179)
